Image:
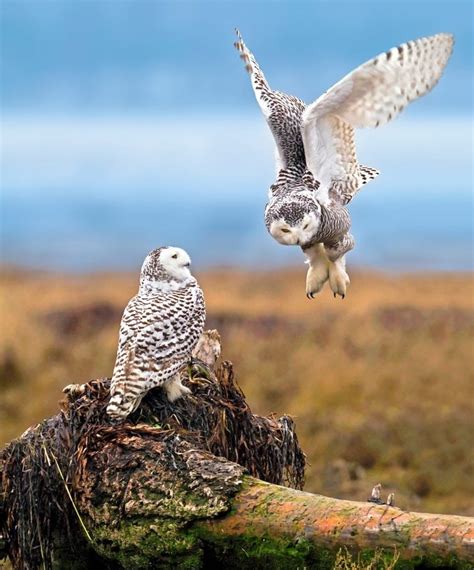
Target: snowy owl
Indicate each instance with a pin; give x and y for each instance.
(160, 327)
(317, 169)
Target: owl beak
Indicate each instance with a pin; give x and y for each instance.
(187, 264)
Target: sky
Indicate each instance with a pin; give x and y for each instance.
(129, 125)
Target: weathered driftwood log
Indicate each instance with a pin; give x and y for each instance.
(182, 486)
(306, 530)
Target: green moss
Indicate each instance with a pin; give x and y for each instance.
(141, 544)
(255, 553)
(382, 559)
(147, 543)
(428, 562)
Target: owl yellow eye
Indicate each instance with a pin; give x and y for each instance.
(306, 226)
(285, 230)
(175, 256)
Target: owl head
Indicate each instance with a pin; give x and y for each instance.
(165, 265)
(294, 220)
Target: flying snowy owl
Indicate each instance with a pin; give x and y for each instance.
(160, 327)
(318, 171)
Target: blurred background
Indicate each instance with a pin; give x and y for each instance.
(129, 125)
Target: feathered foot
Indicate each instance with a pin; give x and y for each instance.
(175, 390)
(318, 271)
(338, 278)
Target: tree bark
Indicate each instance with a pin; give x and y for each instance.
(176, 486)
(309, 529)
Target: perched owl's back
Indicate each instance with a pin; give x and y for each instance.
(157, 335)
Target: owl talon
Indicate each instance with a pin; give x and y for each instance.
(318, 272)
(338, 278)
(175, 390)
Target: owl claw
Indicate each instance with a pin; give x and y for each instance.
(338, 278)
(316, 278)
(175, 390)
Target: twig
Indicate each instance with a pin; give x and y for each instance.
(86, 532)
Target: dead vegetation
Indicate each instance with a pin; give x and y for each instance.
(51, 473)
(170, 488)
(379, 383)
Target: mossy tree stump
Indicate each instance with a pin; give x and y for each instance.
(199, 483)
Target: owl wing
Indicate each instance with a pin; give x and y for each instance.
(282, 112)
(371, 95)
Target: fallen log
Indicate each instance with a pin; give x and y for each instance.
(308, 530)
(201, 483)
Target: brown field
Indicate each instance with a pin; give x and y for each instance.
(380, 384)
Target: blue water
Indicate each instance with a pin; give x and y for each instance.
(74, 234)
(148, 132)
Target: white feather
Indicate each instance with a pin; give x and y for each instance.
(371, 95)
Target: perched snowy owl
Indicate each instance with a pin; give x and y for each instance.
(318, 171)
(160, 327)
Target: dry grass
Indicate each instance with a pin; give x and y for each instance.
(380, 383)
(346, 561)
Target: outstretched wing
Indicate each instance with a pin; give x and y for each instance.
(282, 113)
(371, 95)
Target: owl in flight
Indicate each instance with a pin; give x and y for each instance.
(317, 166)
(160, 327)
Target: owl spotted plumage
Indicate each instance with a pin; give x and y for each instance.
(318, 170)
(160, 327)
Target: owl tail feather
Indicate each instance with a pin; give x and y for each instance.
(368, 173)
(119, 407)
